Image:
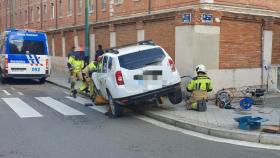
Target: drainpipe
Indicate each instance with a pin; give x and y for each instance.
(28, 18)
(150, 6)
(56, 17)
(96, 10)
(41, 18)
(74, 12)
(6, 12)
(262, 54)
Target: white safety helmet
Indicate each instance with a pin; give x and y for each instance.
(201, 68)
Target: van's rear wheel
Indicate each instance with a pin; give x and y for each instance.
(42, 80)
(116, 109)
(175, 97)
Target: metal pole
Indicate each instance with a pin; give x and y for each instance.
(87, 50)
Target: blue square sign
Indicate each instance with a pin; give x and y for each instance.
(187, 18)
(207, 18)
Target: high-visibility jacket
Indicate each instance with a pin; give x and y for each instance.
(200, 83)
(91, 66)
(77, 65)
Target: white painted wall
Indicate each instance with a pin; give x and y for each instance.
(113, 39)
(53, 47)
(140, 35)
(59, 64)
(196, 45)
(230, 78)
(63, 47)
(206, 1)
(76, 42)
(92, 45)
(267, 53)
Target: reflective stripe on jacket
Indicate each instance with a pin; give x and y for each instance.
(202, 83)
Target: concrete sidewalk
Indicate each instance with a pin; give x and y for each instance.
(215, 121)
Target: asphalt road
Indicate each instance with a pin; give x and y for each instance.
(38, 121)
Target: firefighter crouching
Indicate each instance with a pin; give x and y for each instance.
(88, 84)
(75, 65)
(199, 86)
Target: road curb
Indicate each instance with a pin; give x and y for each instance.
(262, 138)
(59, 85)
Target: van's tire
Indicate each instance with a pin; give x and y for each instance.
(42, 80)
(175, 97)
(116, 109)
(2, 80)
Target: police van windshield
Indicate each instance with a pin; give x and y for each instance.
(27, 47)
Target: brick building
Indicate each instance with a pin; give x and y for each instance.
(238, 40)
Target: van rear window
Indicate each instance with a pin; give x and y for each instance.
(27, 47)
(141, 58)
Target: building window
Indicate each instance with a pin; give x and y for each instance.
(60, 8)
(15, 21)
(26, 17)
(45, 11)
(52, 11)
(118, 2)
(38, 14)
(104, 5)
(80, 6)
(31, 15)
(91, 6)
(69, 9)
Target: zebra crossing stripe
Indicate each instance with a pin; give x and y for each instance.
(84, 101)
(59, 107)
(6, 92)
(21, 108)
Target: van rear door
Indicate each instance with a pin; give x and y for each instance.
(27, 57)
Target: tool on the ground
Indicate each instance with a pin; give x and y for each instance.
(258, 96)
(224, 98)
(246, 103)
(250, 122)
(100, 100)
(271, 129)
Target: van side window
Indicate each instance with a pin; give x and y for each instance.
(110, 64)
(104, 65)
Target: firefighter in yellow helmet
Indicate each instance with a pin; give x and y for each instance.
(75, 65)
(199, 86)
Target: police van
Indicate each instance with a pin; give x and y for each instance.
(24, 54)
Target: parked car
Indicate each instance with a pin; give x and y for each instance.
(137, 72)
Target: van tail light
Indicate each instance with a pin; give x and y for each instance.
(6, 63)
(47, 66)
(172, 65)
(119, 78)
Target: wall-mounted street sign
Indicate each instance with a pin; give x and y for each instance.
(206, 18)
(187, 18)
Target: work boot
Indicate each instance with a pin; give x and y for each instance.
(74, 93)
